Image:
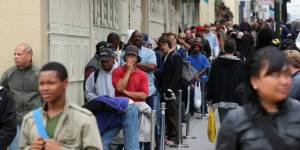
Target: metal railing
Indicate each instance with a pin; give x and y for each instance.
(179, 134)
(152, 131)
(188, 116)
(163, 125)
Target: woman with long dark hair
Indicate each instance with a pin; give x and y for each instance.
(269, 120)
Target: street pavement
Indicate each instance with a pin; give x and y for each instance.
(198, 128)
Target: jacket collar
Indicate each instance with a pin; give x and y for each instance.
(26, 68)
(65, 109)
(256, 110)
(61, 122)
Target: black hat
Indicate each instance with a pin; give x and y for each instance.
(102, 44)
(131, 49)
(106, 54)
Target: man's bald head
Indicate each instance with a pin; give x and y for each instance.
(137, 38)
(23, 55)
(26, 47)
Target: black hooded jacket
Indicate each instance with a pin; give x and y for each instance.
(226, 74)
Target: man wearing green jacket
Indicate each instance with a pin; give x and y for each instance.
(59, 124)
(21, 81)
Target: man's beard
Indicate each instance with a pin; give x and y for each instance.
(107, 69)
(139, 44)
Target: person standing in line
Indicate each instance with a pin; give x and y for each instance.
(98, 85)
(267, 120)
(294, 58)
(206, 50)
(21, 82)
(189, 35)
(93, 64)
(148, 64)
(181, 50)
(226, 75)
(169, 82)
(200, 62)
(99, 82)
(65, 124)
(128, 80)
(116, 44)
(8, 122)
(212, 40)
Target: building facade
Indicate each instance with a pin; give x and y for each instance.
(68, 30)
(234, 7)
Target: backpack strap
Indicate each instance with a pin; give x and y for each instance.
(264, 124)
(96, 75)
(37, 114)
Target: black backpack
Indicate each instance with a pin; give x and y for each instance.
(96, 73)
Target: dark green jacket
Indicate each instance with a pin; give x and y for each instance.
(22, 84)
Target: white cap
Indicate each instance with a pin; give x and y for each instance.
(128, 35)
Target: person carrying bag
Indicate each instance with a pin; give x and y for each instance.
(211, 126)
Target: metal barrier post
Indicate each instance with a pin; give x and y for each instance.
(203, 99)
(188, 116)
(180, 145)
(152, 131)
(163, 127)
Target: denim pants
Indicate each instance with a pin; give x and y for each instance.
(204, 103)
(154, 102)
(15, 143)
(130, 125)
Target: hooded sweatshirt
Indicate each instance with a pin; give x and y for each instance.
(227, 73)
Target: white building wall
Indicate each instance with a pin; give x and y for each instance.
(68, 30)
(20, 21)
(69, 41)
(234, 7)
(207, 12)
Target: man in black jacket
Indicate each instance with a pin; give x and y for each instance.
(8, 119)
(226, 75)
(169, 80)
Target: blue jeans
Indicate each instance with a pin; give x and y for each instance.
(14, 145)
(130, 125)
(154, 102)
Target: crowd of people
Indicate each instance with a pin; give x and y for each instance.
(246, 72)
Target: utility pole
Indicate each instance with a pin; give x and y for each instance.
(277, 5)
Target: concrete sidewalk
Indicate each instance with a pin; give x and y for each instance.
(198, 128)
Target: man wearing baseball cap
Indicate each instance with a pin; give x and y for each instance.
(102, 76)
(128, 80)
(99, 85)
